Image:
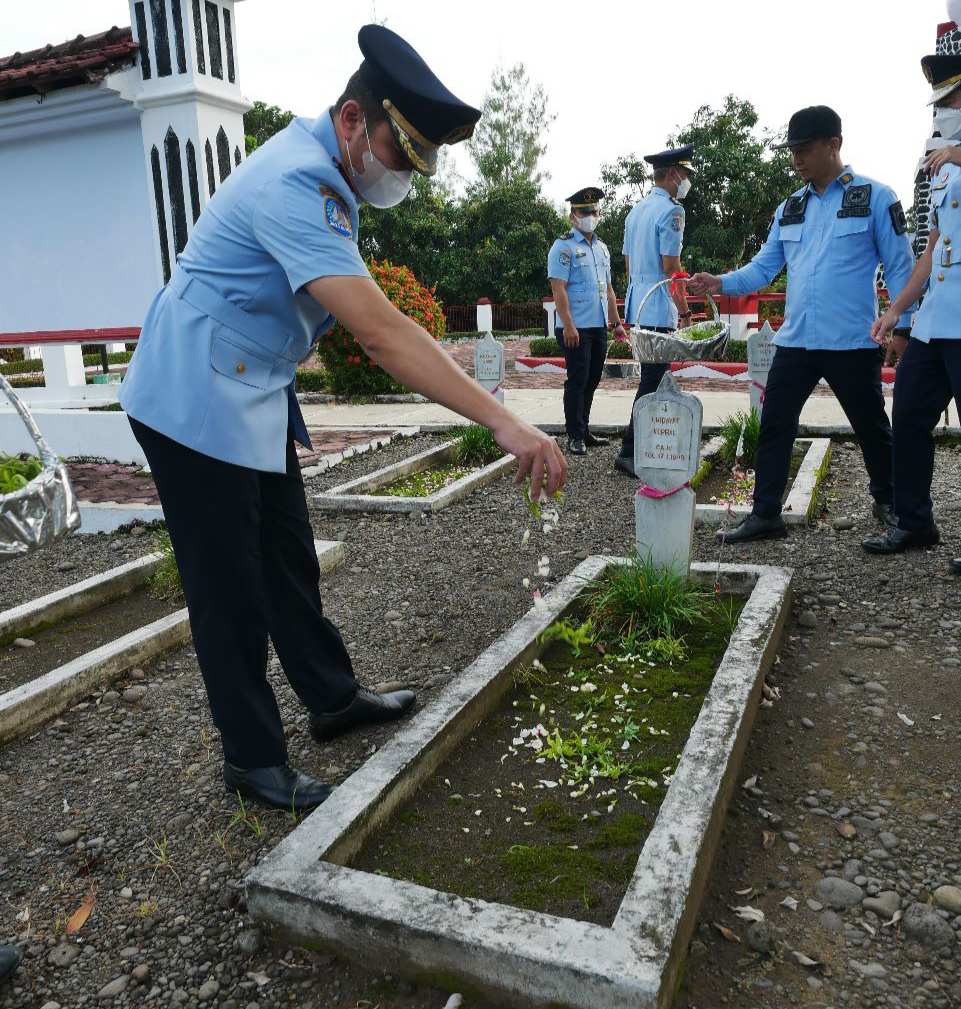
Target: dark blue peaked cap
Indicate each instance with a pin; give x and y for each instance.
(673, 156)
(423, 113)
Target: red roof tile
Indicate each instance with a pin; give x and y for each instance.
(83, 60)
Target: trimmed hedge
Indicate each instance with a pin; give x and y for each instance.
(311, 380)
(26, 367)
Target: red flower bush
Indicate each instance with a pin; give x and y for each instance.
(349, 371)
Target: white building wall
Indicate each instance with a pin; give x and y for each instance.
(78, 237)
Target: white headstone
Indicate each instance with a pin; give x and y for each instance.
(760, 354)
(667, 441)
(489, 365)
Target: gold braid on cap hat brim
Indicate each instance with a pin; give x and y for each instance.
(405, 133)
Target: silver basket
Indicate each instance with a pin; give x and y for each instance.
(46, 509)
(649, 347)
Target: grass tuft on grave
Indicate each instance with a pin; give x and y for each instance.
(548, 803)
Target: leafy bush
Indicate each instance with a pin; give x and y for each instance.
(25, 366)
(476, 446)
(311, 380)
(349, 371)
(619, 351)
(731, 431)
(17, 471)
(640, 600)
(736, 351)
(545, 346)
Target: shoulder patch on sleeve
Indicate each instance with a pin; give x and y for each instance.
(899, 220)
(565, 257)
(336, 213)
(677, 221)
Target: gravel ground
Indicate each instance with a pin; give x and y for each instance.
(125, 791)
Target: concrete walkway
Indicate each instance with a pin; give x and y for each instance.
(545, 406)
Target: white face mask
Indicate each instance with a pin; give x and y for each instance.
(379, 185)
(586, 224)
(683, 188)
(947, 122)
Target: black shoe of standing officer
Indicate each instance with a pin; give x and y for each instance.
(576, 447)
(367, 708)
(9, 959)
(754, 528)
(625, 464)
(896, 541)
(954, 566)
(279, 786)
(884, 513)
(595, 440)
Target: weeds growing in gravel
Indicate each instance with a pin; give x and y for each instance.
(165, 581)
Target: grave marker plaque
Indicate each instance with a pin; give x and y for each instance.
(489, 365)
(667, 441)
(760, 355)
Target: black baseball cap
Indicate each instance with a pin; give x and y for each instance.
(817, 122)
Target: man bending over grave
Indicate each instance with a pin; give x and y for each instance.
(271, 263)
(831, 235)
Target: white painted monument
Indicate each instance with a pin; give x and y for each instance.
(489, 365)
(667, 441)
(760, 356)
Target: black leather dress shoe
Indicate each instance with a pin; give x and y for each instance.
(595, 440)
(367, 708)
(884, 513)
(625, 464)
(576, 447)
(9, 959)
(279, 786)
(896, 541)
(754, 528)
(954, 566)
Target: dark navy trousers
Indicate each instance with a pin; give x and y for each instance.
(928, 376)
(855, 378)
(585, 366)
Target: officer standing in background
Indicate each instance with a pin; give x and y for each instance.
(271, 262)
(653, 238)
(929, 369)
(579, 270)
(831, 235)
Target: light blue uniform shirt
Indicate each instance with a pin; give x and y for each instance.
(654, 228)
(215, 364)
(831, 245)
(940, 314)
(586, 269)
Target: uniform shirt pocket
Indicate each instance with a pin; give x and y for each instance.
(232, 360)
(848, 227)
(791, 232)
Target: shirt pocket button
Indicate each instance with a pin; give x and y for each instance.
(241, 368)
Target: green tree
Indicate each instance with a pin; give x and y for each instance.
(508, 145)
(502, 233)
(262, 121)
(739, 182)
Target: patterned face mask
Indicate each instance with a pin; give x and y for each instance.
(378, 185)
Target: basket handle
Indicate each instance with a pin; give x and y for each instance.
(670, 280)
(46, 453)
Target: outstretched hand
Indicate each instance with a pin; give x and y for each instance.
(704, 283)
(538, 456)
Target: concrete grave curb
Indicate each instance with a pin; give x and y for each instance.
(332, 459)
(24, 620)
(109, 516)
(356, 495)
(802, 499)
(25, 708)
(523, 958)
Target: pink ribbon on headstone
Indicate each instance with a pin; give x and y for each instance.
(658, 495)
(495, 390)
(763, 388)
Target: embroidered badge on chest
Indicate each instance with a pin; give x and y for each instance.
(856, 202)
(794, 210)
(336, 213)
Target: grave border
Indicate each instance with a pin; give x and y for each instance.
(355, 495)
(523, 957)
(25, 708)
(27, 618)
(802, 499)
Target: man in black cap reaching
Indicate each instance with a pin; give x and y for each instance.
(271, 263)
(831, 235)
